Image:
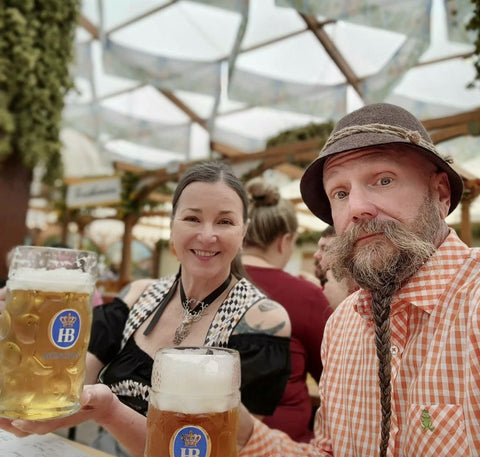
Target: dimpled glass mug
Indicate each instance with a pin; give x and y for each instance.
(45, 330)
(193, 404)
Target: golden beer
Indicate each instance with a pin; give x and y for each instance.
(44, 335)
(168, 429)
(193, 405)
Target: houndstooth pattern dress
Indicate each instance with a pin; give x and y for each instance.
(241, 297)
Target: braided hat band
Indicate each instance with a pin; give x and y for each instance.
(370, 126)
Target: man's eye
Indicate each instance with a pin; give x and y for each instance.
(384, 181)
(340, 195)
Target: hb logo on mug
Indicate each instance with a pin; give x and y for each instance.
(65, 328)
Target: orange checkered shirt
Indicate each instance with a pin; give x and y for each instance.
(435, 326)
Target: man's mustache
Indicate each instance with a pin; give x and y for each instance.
(371, 227)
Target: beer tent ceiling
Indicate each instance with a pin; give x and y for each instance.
(165, 82)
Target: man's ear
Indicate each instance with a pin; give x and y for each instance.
(440, 185)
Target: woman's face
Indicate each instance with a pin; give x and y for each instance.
(208, 229)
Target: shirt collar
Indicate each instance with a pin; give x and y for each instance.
(426, 286)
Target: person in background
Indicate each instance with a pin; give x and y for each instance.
(336, 290)
(208, 302)
(401, 356)
(267, 248)
(321, 267)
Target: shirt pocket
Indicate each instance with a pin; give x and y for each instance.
(436, 431)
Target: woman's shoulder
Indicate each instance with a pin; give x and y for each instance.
(132, 291)
(265, 316)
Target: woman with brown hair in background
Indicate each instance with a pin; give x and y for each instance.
(268, 246)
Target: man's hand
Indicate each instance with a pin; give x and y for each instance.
(245, 427)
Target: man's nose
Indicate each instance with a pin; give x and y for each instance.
(361, 206)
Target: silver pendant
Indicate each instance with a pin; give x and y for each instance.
(182, 331)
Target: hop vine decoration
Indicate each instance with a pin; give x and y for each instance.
(474, 25)
(320, 131)
(36, 47)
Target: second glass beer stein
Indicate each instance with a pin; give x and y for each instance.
(44, 331)
(193, 405)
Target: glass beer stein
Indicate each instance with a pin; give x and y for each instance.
(193, 404)
(44, 331)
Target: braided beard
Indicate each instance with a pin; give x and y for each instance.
(382, 266)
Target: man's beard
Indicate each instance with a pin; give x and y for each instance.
(393, 256)
(320, 273)
(382, 266)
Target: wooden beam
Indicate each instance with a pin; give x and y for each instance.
(283, 150)
(153, 214)
(123, 166)
(182, 106)
(141, 16)
(293, 171)
(449, 132)
(447, 121)
(463, 55)
(333, 52)
(160, 198)
(91, 28)
(225, 150)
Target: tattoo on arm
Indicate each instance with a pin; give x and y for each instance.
(244, 327)
(267, 305)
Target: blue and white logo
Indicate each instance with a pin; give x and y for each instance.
(190, 441)
(65, 328)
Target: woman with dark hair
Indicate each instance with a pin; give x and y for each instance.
(207, 303)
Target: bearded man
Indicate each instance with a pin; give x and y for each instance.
(401, 355)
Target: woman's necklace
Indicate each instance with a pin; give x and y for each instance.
(194, 315)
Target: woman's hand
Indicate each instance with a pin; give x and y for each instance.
(97, 403)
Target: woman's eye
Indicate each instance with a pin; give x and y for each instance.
(340, 195)
(226, 222)
(191, 219)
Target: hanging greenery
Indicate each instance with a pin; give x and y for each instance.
(128, 204)
(474, 25)
(306, 132)
(35, 50)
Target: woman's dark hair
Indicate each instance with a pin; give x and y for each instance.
(213, 172)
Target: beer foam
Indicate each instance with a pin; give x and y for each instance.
(191, 382)
(58, 280)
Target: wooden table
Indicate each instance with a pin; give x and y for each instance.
(87, 449)
(51, 444)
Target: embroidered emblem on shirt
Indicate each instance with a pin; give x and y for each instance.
(427, 421)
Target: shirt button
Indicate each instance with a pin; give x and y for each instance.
(394, 350)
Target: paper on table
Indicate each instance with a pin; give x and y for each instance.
(37, 446)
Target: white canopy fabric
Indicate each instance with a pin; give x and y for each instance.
(158, 82)
(147, 70)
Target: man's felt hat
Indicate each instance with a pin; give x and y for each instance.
(373, 125)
